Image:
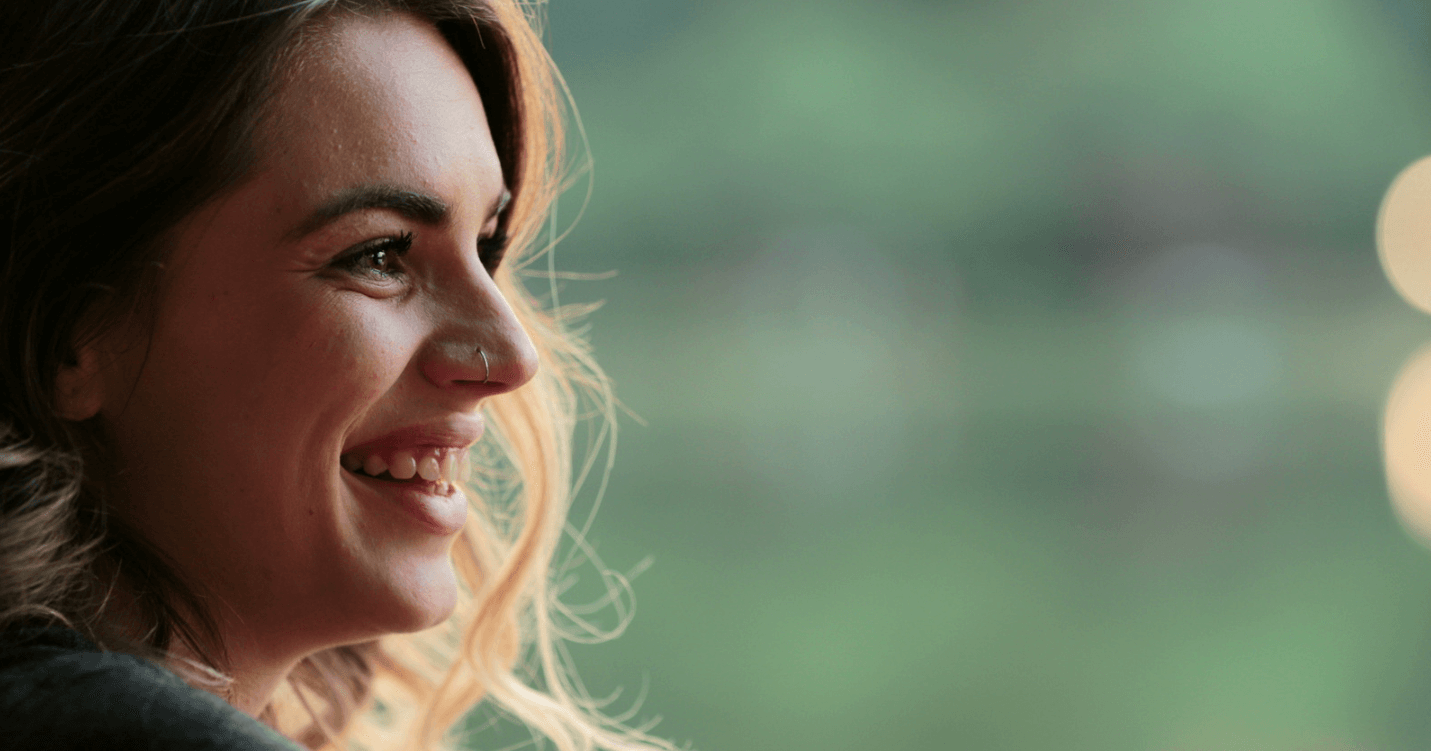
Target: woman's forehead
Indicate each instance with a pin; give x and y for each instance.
(381, 100)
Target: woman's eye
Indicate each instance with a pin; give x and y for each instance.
(376, 259)
(491, 250)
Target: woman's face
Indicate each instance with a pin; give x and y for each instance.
(317, 325)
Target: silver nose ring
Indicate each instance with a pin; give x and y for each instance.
(486, 369)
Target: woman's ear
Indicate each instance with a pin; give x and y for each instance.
(79, 390)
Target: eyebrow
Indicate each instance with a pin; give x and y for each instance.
(414, 205)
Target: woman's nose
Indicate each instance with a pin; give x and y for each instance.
(482, 345)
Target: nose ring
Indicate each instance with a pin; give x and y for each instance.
(486, 369)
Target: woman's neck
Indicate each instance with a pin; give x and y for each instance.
(231, 664)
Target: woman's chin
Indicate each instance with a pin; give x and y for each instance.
(426, 603)
(407, 598)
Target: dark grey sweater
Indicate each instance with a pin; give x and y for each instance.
(58, 691)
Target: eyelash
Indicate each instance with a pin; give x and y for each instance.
(395, 247)
(490, 250)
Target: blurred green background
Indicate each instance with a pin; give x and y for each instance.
(1011, 371)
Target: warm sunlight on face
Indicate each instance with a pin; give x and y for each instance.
(290, 429)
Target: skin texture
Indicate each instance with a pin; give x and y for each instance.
(274, 351)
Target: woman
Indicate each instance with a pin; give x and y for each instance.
(257, 293)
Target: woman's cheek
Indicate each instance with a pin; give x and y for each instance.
(368, 344)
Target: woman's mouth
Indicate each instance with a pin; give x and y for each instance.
(425, 481)
(442, 466)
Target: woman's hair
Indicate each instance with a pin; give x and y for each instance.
(119, 119)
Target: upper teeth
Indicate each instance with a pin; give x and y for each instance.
(432, 465)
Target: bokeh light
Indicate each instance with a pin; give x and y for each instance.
(1406, 442)
(1404, 246)
(1403, 234)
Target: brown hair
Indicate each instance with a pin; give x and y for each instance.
(120, 119)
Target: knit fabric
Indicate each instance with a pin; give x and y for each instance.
(59, 691)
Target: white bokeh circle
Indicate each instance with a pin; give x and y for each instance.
(1403, 233)
(1406, 444)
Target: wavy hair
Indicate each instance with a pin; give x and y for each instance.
(119, 120)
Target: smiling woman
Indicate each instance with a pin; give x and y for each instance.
(257, 303)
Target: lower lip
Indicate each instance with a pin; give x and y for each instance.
(442, 515)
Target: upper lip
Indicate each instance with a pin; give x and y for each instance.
(455, 431)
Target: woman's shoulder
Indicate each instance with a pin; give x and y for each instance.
(59, 691)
